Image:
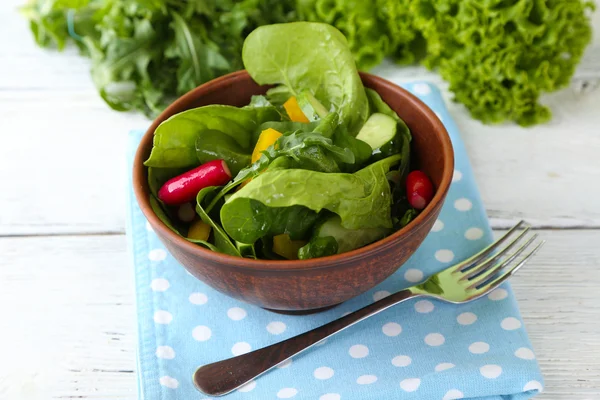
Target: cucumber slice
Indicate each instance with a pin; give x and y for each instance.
(311, 107)
(379, 130)
(348, 239)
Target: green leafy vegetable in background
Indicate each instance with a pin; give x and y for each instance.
(499, 56)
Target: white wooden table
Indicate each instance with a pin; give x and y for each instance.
(67, 320)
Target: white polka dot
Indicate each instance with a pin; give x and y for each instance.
(330, 396)
(413, 275)
(453, 394)
(466, 318)
(248, 387)
(490, 371)
(424, 306)
(498, 294)
(201, 333)
(525, 353)
(380, 295)
(159, 284)
(157, 255)
(198, 298)
(533, 385)
(287, 393)
(421, 88)
(463, 204)
(410, 384)
(323, 373)
(391, 329)
(165, 352)
(149, 227)
(437, 114)
(479, 347)
(163, 317)
(276, 327)
(510, 324)
(435, 339)
(401, 361)
(169, 382)
(438, 225)
(285, 363)
(456, 176)
(358, 351)
(443, 366)
(473, 234)
(241, 348)
(366, 379)
(444, 255)
(236, 313)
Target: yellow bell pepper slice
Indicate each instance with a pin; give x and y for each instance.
(287, 248)
(267, 138)
(294, 111)
(199, 230)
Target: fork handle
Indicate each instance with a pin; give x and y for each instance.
(224, 376)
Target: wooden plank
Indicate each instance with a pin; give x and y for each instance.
(78, 291)
(64, 169)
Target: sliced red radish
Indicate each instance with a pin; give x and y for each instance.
(185, 187)
(419, 189)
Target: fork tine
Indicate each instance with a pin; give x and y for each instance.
(469, 262)
(477, 270)
(510, 272)
(486, 275)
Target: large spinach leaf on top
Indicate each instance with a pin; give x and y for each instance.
(362, 199)
(309, 56)
(175, 139)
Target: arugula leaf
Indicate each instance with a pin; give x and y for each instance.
(175, 139)
(309, 56)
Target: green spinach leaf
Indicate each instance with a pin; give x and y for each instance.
(251, 220)
(362, 199)
(161, 214)
(309, 56)
(214, 145)
(222, 241)
(318, 247)
(175, 139)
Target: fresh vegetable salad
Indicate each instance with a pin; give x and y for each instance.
(320, 165)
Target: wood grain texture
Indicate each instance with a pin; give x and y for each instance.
(81, 293)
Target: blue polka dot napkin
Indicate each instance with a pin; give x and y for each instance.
(421, 349)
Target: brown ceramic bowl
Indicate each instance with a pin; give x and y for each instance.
(306, 285)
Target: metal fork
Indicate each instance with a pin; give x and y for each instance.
(466, 281)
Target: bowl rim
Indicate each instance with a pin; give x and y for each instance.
(141, 189)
